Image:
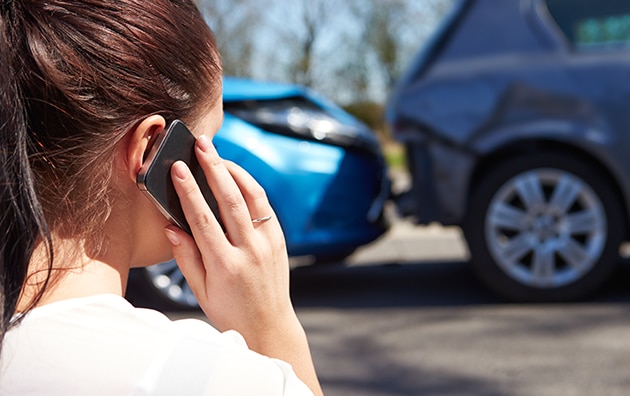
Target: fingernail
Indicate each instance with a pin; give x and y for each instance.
(172, 236)
(180, 170)
(204, 143)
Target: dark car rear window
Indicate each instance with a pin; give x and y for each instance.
(593, 24)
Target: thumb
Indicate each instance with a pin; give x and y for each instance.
(188, 258)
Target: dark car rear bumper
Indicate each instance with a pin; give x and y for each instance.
(440, 177)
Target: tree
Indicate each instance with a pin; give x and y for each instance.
(389, 34)
(301, 38)
(382, 33)
(234, 23)
(349, 51)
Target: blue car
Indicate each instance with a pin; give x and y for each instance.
(323, 171)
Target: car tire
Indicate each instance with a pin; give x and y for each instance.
(544, 227)
(331, 259)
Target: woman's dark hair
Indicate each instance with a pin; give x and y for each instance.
(75, 77)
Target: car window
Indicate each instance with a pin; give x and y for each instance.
(593, 24)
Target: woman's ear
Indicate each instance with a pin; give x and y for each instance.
(139, 141)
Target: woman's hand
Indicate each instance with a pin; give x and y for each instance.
(240, 277)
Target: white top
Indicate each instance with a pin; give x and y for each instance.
(102, 345)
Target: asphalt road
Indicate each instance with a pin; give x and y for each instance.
(405, 316)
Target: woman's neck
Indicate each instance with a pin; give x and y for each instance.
(74, 274)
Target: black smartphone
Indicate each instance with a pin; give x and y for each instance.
(175, 143)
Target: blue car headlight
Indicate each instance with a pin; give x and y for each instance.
(301, 118)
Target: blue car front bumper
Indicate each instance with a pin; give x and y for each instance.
(328, 199)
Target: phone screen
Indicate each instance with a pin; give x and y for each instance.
(175, 143)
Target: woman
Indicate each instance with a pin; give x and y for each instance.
(85, 88)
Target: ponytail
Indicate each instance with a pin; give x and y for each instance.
(22, 222)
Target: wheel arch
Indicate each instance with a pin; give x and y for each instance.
(521, 147)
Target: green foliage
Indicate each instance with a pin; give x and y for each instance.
(370, 113)
(394, 155)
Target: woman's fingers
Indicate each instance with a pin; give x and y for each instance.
(240, 199)
(239, 196)
(253, 193)
(232, 206)
(203, 224)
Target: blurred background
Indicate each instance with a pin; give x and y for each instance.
(350, 51)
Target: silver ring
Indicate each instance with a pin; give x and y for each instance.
(261, 219)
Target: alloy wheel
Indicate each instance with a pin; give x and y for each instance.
(546, 228)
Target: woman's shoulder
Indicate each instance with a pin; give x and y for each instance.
(83, 337)
(143, 349)
(111, 314)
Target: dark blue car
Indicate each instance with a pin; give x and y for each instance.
(515, 118)
(322, 169)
